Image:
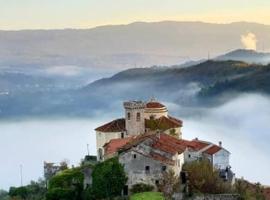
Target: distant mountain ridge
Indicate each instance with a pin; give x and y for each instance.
(125, 46)
(203, 84)
(249, 56)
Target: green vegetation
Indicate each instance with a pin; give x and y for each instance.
(156, 124)
(248, 191)
(109, 179)
(141, 187)
(147, 196)
(66, 185)
(203, 178)
(33, 191)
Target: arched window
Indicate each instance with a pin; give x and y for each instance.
(100, 154)
(128, 115)
(138, 117)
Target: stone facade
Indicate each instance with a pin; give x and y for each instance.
(134, 116)
(145, 161)
(137, 113)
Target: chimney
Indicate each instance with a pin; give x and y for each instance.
(220, 143)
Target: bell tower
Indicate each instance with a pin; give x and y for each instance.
(134, 117)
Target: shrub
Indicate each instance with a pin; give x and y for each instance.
(109, 179)
(67, 185)
(141, 187)
(203, 178)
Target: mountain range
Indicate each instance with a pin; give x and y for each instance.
(118, 47)
(203, 84)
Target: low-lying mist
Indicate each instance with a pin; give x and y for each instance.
(242, 124)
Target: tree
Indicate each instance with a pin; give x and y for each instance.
(203, 178)
(20, 192)
(67, 185)
(33, 191)
(169, 184)
(248, 191)
(109, 179)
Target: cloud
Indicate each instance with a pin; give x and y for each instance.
(243, 126)
(67, 70)
(249, 41)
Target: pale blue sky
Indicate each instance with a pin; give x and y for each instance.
(47, 14)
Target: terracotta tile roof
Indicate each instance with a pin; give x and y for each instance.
(161, 158)
(169, 144)
(163, 123)
(198, 144)
(137, 140)
(154, 104)
(115, 144)
(117, 125)
(180, 122)
(212, 150)
(162, 141)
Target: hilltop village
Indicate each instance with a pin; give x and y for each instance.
(148, 141)
(145, 153)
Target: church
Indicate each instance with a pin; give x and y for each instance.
(140, 118)
(148, 141)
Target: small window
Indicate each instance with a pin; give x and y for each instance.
(100, 154)
(122, 135)
(147, 169)
(163, 168)
(157, 182)
(134, 156)
(128, 115)
(189, 155)
(138, 117)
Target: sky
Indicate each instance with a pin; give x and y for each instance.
(58, 14)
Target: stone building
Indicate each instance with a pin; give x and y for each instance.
(147, 156)
(139, 118)
(148, 141)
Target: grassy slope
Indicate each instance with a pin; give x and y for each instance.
(147, 196)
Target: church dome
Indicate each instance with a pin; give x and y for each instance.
(154, 104)
(155, 109)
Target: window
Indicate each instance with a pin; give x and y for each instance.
(134, 156)
(128, 115)
(152, 117)
(147, 169)
(100, 153)
(138, 117)
(189, 155)
(122, 135)
(163, 168)
(157, 182)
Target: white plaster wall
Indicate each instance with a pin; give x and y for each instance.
(221, 159)
(157, 113)
(190, 155)
(102, 138)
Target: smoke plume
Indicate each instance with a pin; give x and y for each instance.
(249, 41)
